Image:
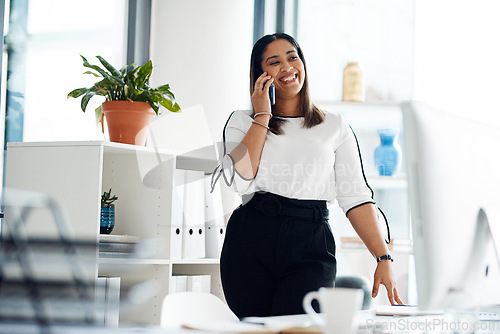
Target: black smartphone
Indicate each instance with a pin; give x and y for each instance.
(271, 94)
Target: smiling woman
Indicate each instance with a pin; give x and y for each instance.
(279, 245)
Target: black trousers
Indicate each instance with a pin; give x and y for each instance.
(276, 250)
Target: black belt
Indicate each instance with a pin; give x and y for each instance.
(273, 205)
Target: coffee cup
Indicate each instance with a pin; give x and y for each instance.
(338, 307)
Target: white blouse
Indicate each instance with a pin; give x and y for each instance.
(320, 163)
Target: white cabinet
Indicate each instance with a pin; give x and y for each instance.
(75, 174)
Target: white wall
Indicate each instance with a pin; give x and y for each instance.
(457, 57)
(202, 49)
(376, 33)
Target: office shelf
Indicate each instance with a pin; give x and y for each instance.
(130, 261)
(76, 173)
(195, 261)
(119, 261)
(365, 117)
(396, 246)
(387, 182)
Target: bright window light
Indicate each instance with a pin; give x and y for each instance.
(54, 66)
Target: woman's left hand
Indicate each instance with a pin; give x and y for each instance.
(385, 276)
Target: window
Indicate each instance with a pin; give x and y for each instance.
(44, 62)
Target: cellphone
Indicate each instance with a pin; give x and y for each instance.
(272, 94)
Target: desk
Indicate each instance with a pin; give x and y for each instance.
(426, 324)
(368, 322)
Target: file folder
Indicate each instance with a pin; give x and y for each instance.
(193, 246)
(215, 226)
(177, 222)
(178, 283)
(198, 283)
(112, 305)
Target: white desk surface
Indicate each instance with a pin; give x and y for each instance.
(368, 322)
(409, 320)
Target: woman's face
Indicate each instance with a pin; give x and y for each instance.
(282, 62)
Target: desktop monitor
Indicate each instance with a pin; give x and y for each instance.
(454, 181)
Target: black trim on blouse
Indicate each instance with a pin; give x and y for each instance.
(388, 240)
(357, 206)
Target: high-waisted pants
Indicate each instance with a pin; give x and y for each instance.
(276, 250)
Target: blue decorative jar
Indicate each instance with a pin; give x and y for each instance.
(388, 153)
(107, 218)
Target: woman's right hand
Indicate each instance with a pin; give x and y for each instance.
(260, 97)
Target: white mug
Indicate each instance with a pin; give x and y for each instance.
(338, 306)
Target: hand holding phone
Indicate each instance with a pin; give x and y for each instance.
(259, 102)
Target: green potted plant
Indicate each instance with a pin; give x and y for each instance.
(130, 102)
(107, 212)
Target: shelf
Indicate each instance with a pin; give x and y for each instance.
(54, 143)
(131, 261)
(373, 105)
(112, 146)
(134, 261)
(387, 182)
(147, 212)
(204, 159)
(397, 245)
(117, 238)
(367, 116)
(196, 261)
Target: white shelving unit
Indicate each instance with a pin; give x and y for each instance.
(76, 173)
(365, 119)
(390, 193)
(387, 182)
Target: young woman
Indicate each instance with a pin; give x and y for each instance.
(287, 161)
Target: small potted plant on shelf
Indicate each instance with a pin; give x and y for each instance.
(130, 101)
(107, 212)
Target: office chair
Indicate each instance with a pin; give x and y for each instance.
(356, 282)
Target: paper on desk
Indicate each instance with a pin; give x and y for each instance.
(283, 321)
(402, 310)
(229, 326)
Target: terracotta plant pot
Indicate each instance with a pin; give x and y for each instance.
(128, 121)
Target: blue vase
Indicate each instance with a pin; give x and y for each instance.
(107, 218)
(388, 153)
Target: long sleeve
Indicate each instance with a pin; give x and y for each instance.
(350, 183)
(233, 133)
